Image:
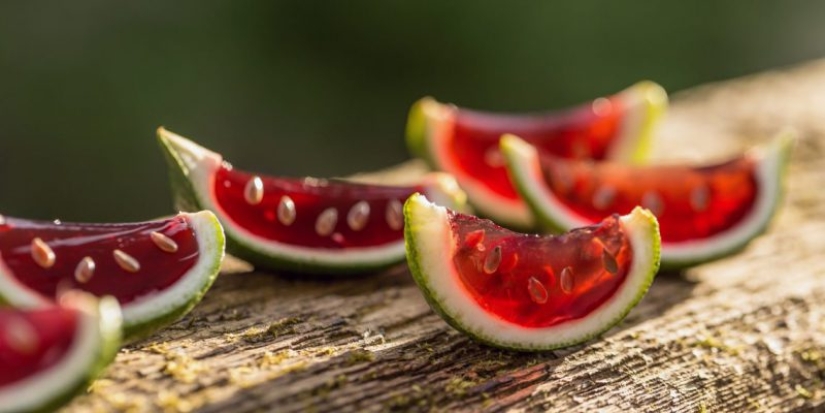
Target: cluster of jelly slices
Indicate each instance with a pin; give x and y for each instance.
(157, 270)
(464, 142)
(530, 292)
(308, 225)
(705, 212)
(49, 354)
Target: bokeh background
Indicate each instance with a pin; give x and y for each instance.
(321, 87)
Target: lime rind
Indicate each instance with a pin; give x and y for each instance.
(522, 160)
(431, 246)
(429, 122)
(416, 131)
(149, 313)
(96, 344)
(192, 170)
(771, 169)
(146, 315)
(646, 103)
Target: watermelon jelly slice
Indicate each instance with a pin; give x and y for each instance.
(299, 224)
(464, 142)
(50, 354)
(705, 212)
(157, 270)
(529, 292)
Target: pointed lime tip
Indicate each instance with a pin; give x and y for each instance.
(416, 131)
(654, 105)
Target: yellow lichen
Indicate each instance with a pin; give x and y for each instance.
(182, 367)
(803, 392)
(171, 402)
(458, 386)
(359, 356)
(269, 358)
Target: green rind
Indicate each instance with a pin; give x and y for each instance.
(414, 260)
(110, 341)
(656, 103)
(133, 331)
(186, 198)
(136, 331)
(416, 132)
(544, 223)
(549, 225)
(654, 96)
(786, 146)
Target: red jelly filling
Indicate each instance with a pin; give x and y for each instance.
(584, 132)
(33, 341)
(70, 244)
(313, 212)
(540, 281)
(690, 203)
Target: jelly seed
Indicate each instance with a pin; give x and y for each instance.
(653, 202)
(21, 336)
(602, 107)
(493, 157)
(326, 222)
(286, 211)
(85, 270)
(537, 290)
(566, 280)
(358, 215)
(126, 261)
(474, 239)
(254, 191)
(394, 214)
(163, 242)
(493, 260)
(609, 262)
(42, 253)
(603, 197)
(699, 198)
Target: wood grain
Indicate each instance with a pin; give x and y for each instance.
(741, 334)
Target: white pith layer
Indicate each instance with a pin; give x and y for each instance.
(201, 165)
(152, 305)
(523, 163)
(433, 241)
(643, 103)
(37, 390)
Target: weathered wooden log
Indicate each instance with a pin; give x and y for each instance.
(742, 334)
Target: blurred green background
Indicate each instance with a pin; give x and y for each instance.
(321, 87)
